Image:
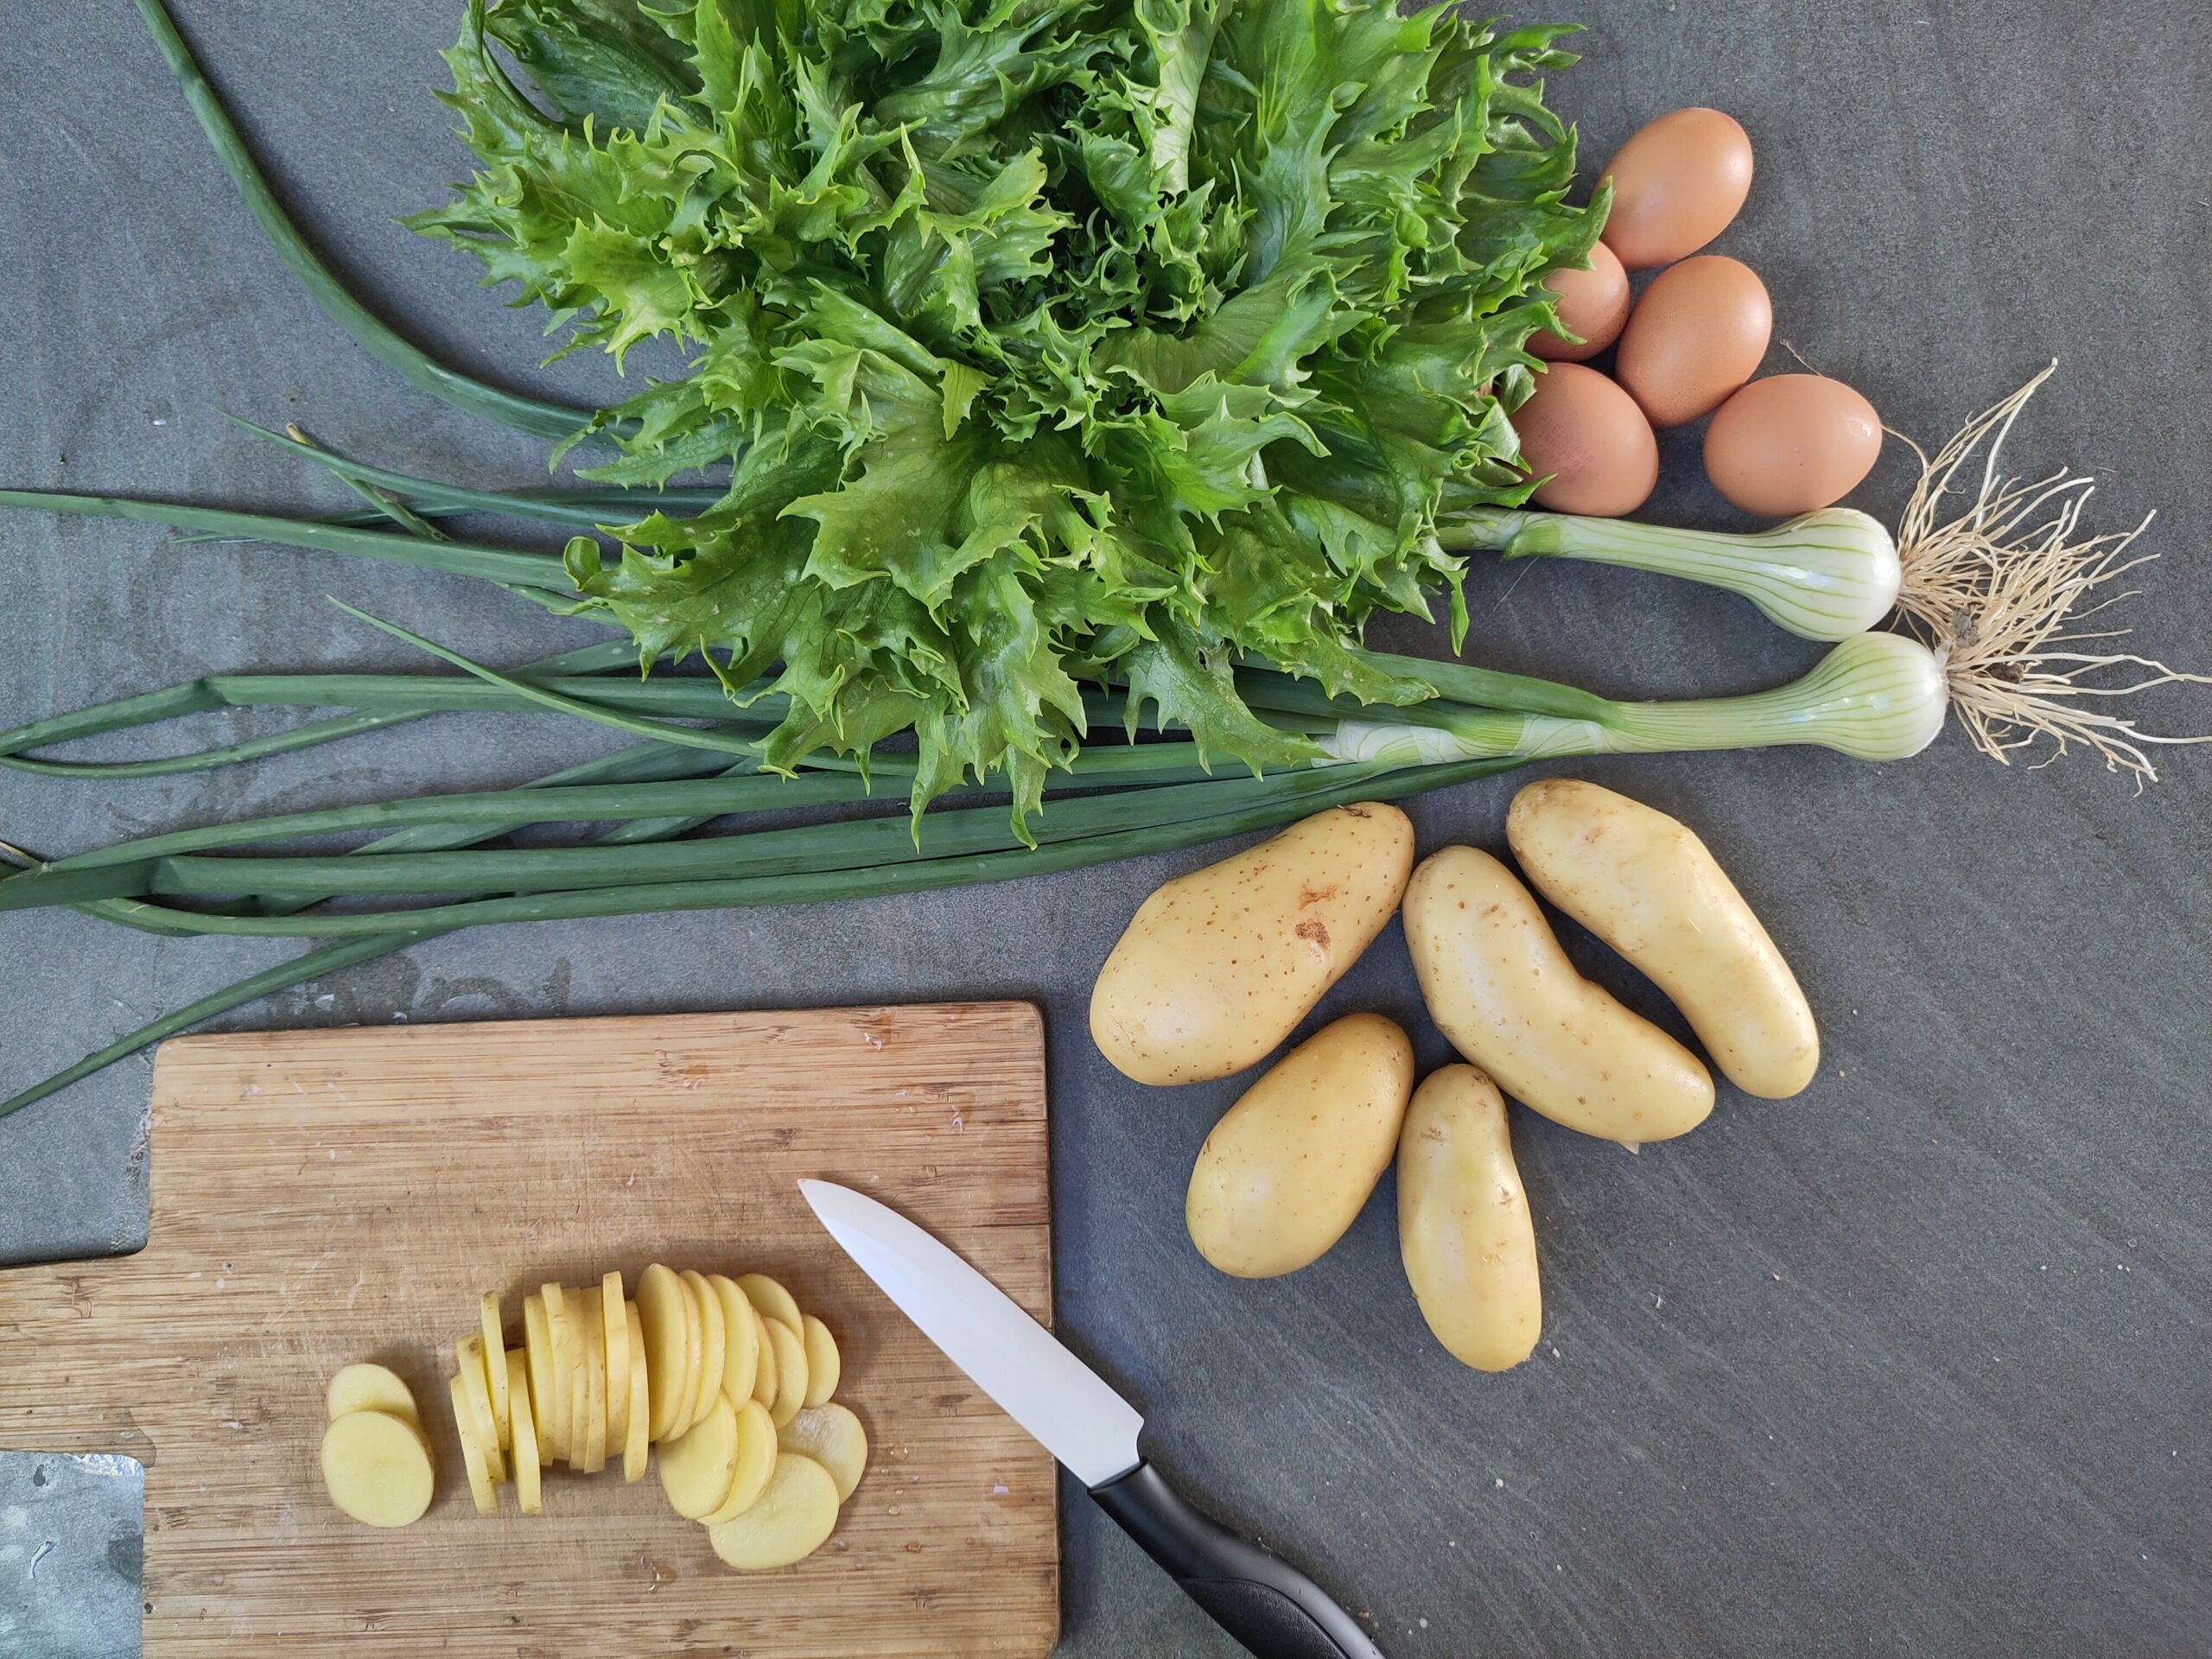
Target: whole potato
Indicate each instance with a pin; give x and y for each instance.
(1497, 984)
(1464, 1228)
(1290, 1165)
(1219, 966)
(1646, 884)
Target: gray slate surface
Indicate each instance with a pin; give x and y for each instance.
(1918, 1363)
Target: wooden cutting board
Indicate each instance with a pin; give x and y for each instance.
(324, 1196)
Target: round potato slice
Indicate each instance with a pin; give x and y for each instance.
(772, 1299)
(823, 1366)
(377, 1469)
(698, 1466)
(740, 1339)
(370, 1388)
(637, 1444)
(614, 1321)
(764, 1374)
(833, 1437)
(662, 1316)
(792, 1519)
(538, 1360)
(475, 1380)
(568, 1355)
(530, 1490)
(712, 1342)
(791, 1371)
(472, 1455)
(583, 1309)
(688, 1379)
(495, 1351)
(756, 1461)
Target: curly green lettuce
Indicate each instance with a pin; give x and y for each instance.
(1048, 342)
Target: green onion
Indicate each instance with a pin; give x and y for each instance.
(1822, 575)
(532, 414)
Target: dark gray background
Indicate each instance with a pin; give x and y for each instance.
(1919, 1362)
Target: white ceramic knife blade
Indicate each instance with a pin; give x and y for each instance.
(1060, 1401)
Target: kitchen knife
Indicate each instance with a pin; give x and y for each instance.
(1270, 1607)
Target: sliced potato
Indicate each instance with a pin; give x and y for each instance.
(584, 1308)
(791, 1371)
(712, 1342)
(756, 1461)
(614, 1321)
(823, 1366)
(687, 1382)
(377, 1468)
(495, 1353)
(370, 1388)
(740, 1339)
(698, 1466)
(764, 1374)
(538, 1360)
(472, 1455)
(772, 1299)
(567, 1354)
(637, 1440)
(476, 1395)
(529, 1482)
(662, 1316)
(793, 1518)
(833, 1437)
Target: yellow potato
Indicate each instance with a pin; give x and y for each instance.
(764, 1374)
(791, 1371)
(583, 1310)
(792, 1518)
(833, 1437)
(713, 1344)
(612, 1321)
(740, 1339)
(637, 1442)
(1464, 1229)
(529, 1481)
(476, 1395)
(823, 1366)
(545, 1407)
(687, 1382)
(472, 1455)
(377, 1468)
(370, 1388)
(1497, 984)
(772, 1300)
(757, 1445)
(698, 1466)
(1647, 886)
(495, 1349)
(662, 1316)
(1218, 966)
(1289, 1166)
(568, 1384)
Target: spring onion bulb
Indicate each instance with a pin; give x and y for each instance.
(1822, 575)
(1876, 696)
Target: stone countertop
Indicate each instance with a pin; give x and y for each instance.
(1918, 1362)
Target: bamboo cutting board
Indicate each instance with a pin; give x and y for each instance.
(325, 1197)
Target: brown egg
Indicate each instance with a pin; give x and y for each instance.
(1697, 334)
(1592, 303)
(1589, 434)
(1790, 444)
(1677, 182)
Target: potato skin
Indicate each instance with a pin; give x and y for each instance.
(1464, 1229)
(1290, 1166)
(1219, 966)
(1497, 984)
(1647, 886)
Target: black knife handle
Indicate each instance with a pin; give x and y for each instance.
(1261, 1599)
